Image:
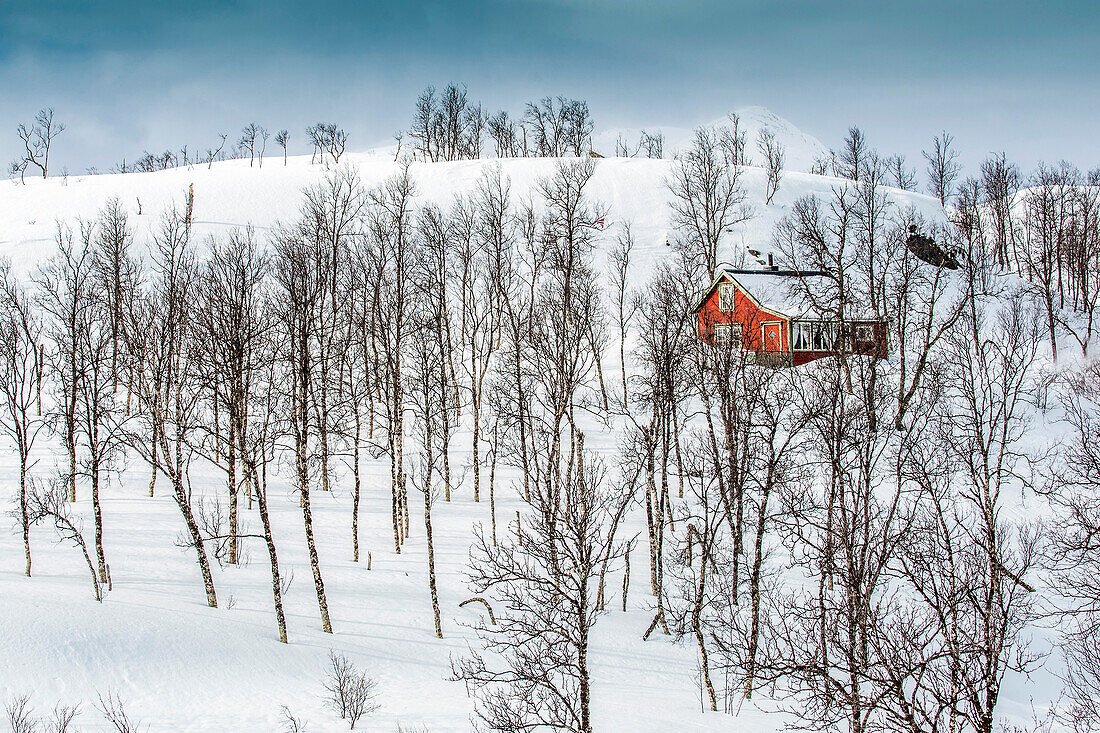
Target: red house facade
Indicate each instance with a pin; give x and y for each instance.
(760, 312)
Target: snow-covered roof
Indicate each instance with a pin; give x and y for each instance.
(774, 290)
(783, 293)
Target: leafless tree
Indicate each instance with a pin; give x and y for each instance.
(160, 332)
(390, 237)
(732, 140)
(513, 384)
(1000, 182)
(919, 296)
(21, 715)
(535, 671)
(702, 543)
(351, 692)
(99, 416)
(485, 236)
(426, 389)
(1047, 212)
(623, 299)
(248, 140)
(569, 232)
(901, 176)
(20, 376)
(851, 160)
(49, 503)
(505, 134)
(708, 198)
(116, 275)
(990, 382)
(433, 277)
(772, 152)
(296, 263)
(65, 295)
(943, 167)
(666, 335)
(292, 723)
(822, 165)
(328, 139)
(332, 214)
(229, 320)
(114, 711)
(1083, 263)
(822, 237)
(282, 137)
(422, 130)
(307, 261)
(558, 126)
(37, 141)
(448, 127)
(262, 135)
(358, 368)
(1072, 553)
(651, 144)
(213, 154)
(849, 532)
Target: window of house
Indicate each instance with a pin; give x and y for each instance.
(725, 297)
(819, 337)
(865, 332)
(801, 335)
(728, 334)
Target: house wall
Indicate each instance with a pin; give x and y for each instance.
(745, 312)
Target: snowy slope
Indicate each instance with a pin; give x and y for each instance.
(182, 666)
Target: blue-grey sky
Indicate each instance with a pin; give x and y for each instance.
(126, 76)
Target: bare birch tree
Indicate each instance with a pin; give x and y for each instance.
(708, 198)
(20, 375)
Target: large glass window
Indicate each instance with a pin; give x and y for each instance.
(830, 335)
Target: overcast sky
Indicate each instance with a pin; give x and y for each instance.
(128, 76)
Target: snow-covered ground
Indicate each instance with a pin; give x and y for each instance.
(181, 666)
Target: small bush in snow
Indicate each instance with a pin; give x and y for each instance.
(21, 717)
(115, 712)
(351, 692)
(292, 724)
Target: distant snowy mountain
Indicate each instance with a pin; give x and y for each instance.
(801, 148)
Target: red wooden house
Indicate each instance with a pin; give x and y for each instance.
(762, 311)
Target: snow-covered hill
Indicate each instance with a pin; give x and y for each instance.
(184, 667)
(234, 194)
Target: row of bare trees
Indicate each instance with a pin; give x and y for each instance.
(447, 126)
(328, 141)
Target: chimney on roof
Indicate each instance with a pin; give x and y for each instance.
(771, 265)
